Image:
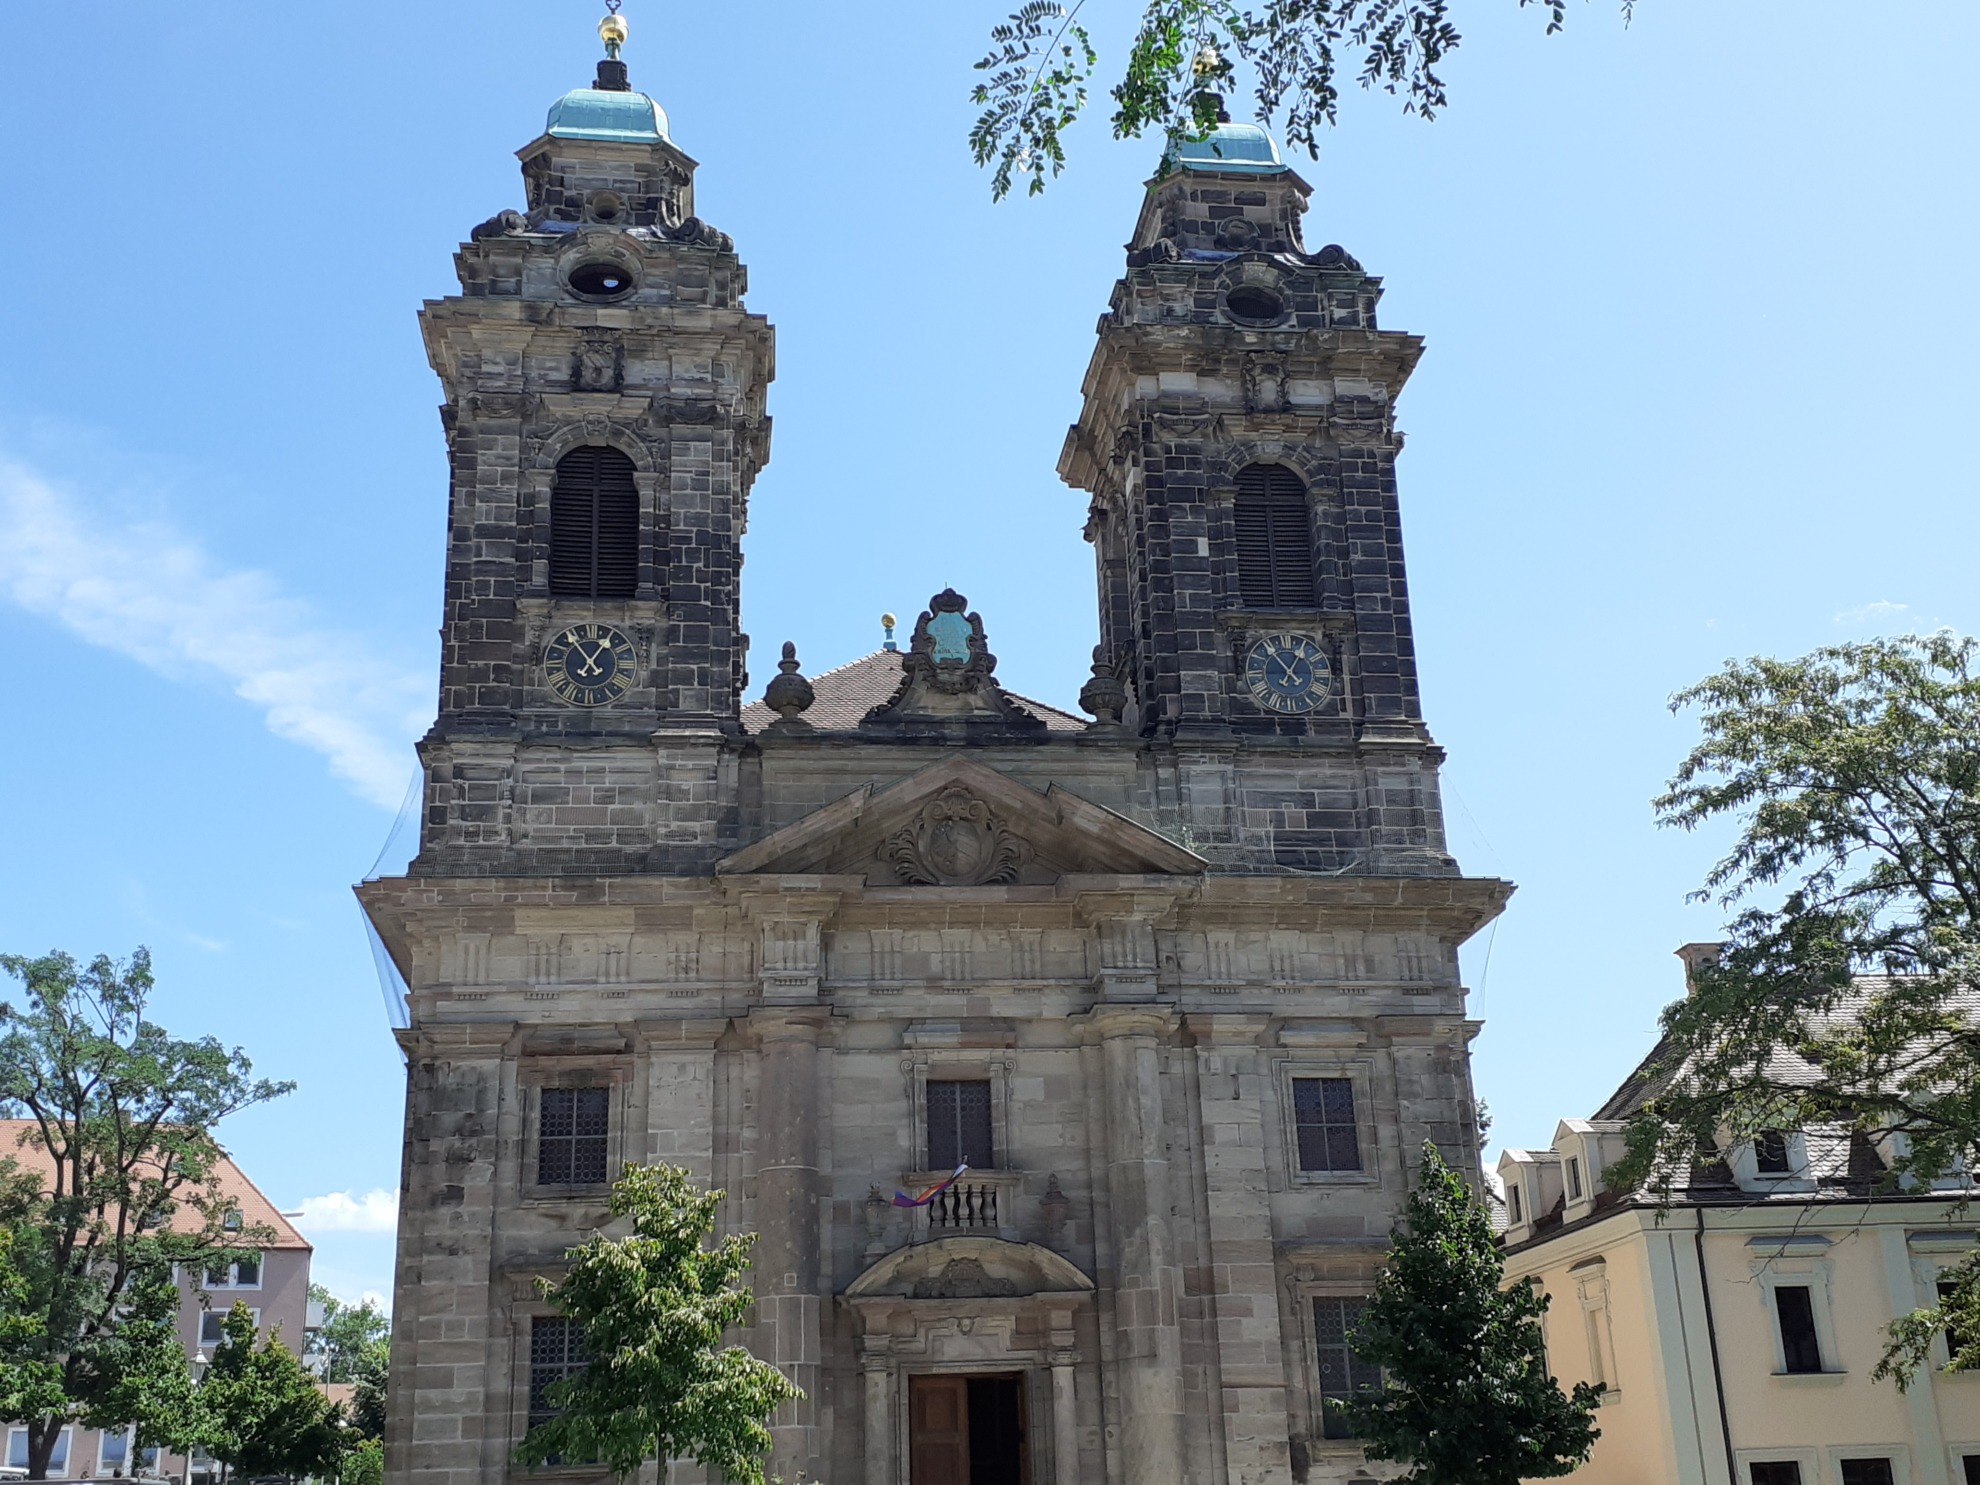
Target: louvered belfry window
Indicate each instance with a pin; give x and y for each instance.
(1274, 538)
(594, 526)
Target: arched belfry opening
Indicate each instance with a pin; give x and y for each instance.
(1273, 538)
(594, 525)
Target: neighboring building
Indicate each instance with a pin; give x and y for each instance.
(1179, 983)
(1734, 1333)
(275, 1285)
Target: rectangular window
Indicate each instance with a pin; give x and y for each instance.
(570, 1136)
(556, 1352)
(1574, 1177)
(1513, 1202)
(1867, 1472)
(1770, 1153)
(115, 1451)
(1342, 1372)
(1795, 1307)
(1775, 1472)
(959, 1125)
(1955, 1337)
(1323, 1116)
(17, 1451)
(242, 1273)
(213, 1326)
(1970, 1467)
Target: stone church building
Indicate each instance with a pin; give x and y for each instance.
(1177, 978)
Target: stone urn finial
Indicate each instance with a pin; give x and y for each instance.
(788, 692)
(1105, 695)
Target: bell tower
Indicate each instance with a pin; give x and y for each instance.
(1238, 442)
(604, 412)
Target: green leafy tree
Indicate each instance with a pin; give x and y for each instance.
(364, 1464)
(261, 1412)
(1186, 53)
(352, 1338)
(111, 1188)
(1466, 1399)
(1845, 994)
(354, 1344)
(147, 1384)
(659, 1384)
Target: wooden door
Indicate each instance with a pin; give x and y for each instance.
(938, 1430)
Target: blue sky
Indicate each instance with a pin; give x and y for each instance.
(1699, 301)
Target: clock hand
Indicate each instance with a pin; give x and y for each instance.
(591, 666)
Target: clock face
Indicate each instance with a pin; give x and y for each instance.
(590, 664)
(1287, 672)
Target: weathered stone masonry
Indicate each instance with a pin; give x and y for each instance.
(757, 939)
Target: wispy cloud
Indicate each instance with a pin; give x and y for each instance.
(344, 1211)
(149, 592)
(1878, 614)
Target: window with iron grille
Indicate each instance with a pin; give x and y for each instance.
(572, 1126)
(594, 526)
(1323, 1116)
(1273, 529)
(1801, 1349)
(959, 1125)
(556, 1353)
(1342, 1372)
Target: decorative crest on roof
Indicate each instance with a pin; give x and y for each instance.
(946, 677)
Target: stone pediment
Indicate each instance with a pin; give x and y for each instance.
(962, 824)
(970, 1268)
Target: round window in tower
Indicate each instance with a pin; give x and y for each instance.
(1254, 304)
(602, 279)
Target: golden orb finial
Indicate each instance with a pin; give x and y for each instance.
(613, 32)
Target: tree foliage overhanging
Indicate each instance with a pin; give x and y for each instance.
(1466, 1399)
(1186, 53)
(652, 1307)
(1847, 996)
(109, 1186)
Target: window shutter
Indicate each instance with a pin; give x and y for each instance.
(594, 526)
(1274, 538)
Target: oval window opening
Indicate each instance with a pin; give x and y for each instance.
(1251, 303)
(600, 280)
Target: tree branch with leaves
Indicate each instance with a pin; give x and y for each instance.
(653, 1306)
(1847, 996)
(1180, 64)
(110, 1184)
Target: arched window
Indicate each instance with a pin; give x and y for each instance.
(594, 526)
(1274, 538)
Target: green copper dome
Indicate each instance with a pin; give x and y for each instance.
(1241, 149)
(593, 113)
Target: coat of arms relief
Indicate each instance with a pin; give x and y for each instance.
(956, 841)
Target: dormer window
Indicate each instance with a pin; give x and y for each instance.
(1770, 1153)
(1574, 1177)
(1513, 1204)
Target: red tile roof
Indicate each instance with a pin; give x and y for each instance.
(229, 1180)
(847, 694)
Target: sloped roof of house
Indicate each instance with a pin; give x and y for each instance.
(17, 1142)
(844, 696)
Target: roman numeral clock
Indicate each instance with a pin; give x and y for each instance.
(1287, 673)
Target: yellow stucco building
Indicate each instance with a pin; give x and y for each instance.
(1735, 1331)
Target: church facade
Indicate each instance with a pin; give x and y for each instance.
(1176, 979)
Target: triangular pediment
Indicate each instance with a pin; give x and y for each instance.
(962, 824)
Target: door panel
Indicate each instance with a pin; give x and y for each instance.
(938, 1430)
